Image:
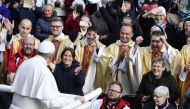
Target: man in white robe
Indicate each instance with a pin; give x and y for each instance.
(34, 86)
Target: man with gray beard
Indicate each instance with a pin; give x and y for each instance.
(28, 51)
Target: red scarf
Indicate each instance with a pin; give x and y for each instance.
(87, 57)
(156, 54)
(57, 44)
(118, 105)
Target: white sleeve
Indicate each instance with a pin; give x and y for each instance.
(167, 55)
(70, 44)
(114, 65)
(95, 56)
(60, 101)
(133, 55)
(126, 107)
(183, 75)
(122, 65)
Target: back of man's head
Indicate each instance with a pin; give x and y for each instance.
(46, 47)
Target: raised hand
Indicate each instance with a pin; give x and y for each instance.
(78, 69)
(75, 15)
(8, 25)
(123, 8)
(138, 40)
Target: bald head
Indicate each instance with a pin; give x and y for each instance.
(25, 27)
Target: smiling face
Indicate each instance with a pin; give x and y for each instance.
(159, 100)
(158, 17)
(48, 11)
(157, 69)
(28, 45)
(126, 33)
(56, 28)
(67, 58)
(91, 37)
(156, 43)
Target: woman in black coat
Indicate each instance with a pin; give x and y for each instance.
(68, 74)
(156, 77)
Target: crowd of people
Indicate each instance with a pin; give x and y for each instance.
(137, 51)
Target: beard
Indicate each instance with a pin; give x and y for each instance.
(28, 52)
(113, 99)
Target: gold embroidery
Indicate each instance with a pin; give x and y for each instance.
(87, 57)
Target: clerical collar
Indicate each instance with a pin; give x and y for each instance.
(19, 36)
(84, 42)
(130, 43)
(162, 49)
(60, 37)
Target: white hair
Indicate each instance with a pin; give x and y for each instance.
(78, 2)
(162, 91)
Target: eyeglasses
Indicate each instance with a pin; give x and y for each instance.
(114, 91)
(56, 26)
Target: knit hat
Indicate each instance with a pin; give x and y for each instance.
(46, 47)
(160, 9)
(78, 2)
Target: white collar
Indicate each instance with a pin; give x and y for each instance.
(19, 36)
(60, 37)
(130, 43)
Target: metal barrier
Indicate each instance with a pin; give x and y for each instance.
(75, 105)
(88, 97)
(5, 88)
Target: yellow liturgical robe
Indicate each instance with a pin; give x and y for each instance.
(171, 56)
(184, 84)
(94, 67)
(64, 42)
(16, 43)
(124, 71)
